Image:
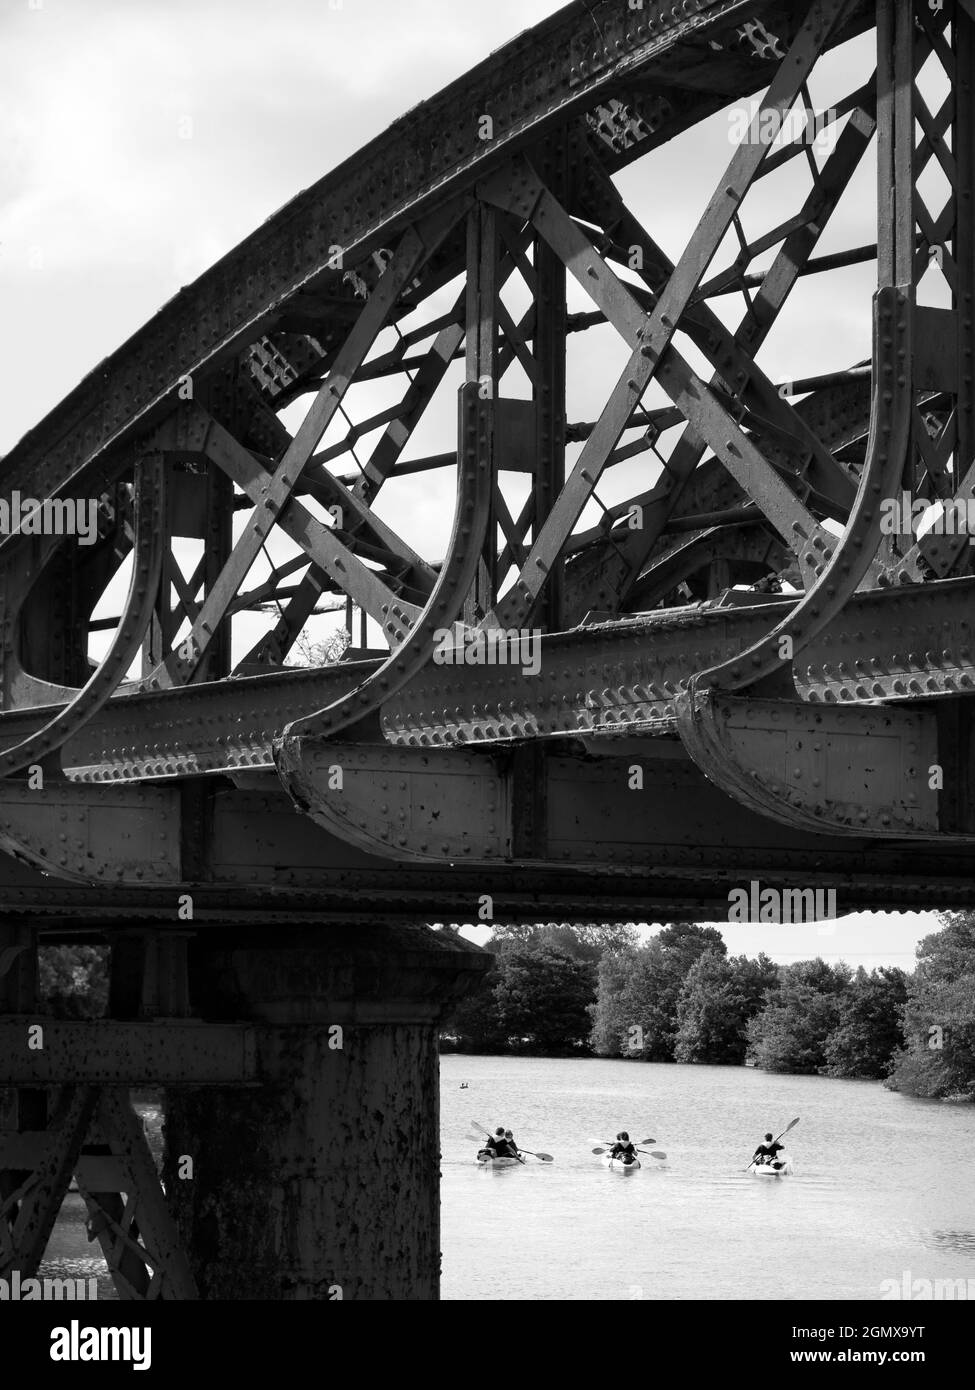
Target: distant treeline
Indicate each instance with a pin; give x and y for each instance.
(592, 990)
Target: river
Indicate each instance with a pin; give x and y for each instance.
(883, 1185)
(882, 1189)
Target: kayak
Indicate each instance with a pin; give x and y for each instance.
(485, 1160)
(617, 1165)
(781, 1168)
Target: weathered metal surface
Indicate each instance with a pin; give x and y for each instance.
(830, 770)
(109, 1053)
(146, 570)
(347, 1024)
(128, 1214)
(90, 835)
(612, 677)
(758, 499)
(404, 803)
(30, 1198)
(609, 774)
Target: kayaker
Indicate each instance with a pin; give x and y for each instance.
(765, 1153)
(499, 1143)
(623, 1148)
(509, 1139)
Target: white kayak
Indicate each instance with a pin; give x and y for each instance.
(781, 1168)
(486, 1160)
(617, 1165)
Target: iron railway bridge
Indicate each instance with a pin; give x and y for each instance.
(742, 673)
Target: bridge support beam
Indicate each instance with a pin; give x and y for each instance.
(322, 1182)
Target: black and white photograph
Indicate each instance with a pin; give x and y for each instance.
(487, 673)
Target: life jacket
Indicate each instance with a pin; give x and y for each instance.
(502, 1149)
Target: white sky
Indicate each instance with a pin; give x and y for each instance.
(869, 939)
(142, 140)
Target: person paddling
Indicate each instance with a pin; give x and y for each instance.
(623, 1148)
(765, 1153)
(509, 1139)
(502, 1149)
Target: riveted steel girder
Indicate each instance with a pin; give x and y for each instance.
(87, 834)
(890, 645)
(105, 1052)
(860, 770)
(863, 771)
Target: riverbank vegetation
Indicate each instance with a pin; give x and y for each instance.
(597, 991)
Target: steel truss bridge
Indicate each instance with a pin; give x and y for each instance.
(743, 672)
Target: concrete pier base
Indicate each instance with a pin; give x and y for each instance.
(322, 1182)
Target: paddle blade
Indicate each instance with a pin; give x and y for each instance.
(480, 1128)
(599, 1151)
(546, 1158)
(646, 1141)
(656, 1153)
(791, 1126)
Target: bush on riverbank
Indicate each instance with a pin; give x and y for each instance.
(938, 1056)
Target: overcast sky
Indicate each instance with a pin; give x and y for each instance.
(140, 141)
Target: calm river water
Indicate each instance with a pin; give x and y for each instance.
(883, 1187)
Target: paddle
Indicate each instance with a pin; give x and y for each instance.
(653, 1153)
(792, 1125)
(544, 1158)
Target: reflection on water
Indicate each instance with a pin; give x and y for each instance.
(949, 1240)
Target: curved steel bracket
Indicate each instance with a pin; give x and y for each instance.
(94, 834)
(148, 551)
(845, 566)
(444, 605)
(403, 803)
(831, 770)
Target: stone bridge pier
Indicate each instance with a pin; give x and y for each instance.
(321, 1181)
(302, 1143)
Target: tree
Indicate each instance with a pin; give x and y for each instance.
(475, 1025)
(938, 1058)
(609, 1012)
(719, 997)
(791, 1031)
(637, 995)
(543, 997)
(869, 1031)
(73, 980)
